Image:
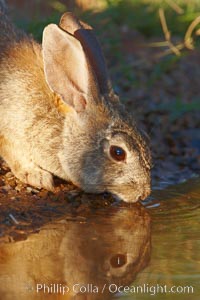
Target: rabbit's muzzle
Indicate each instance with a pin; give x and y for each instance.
(126, 192)
(131, 193)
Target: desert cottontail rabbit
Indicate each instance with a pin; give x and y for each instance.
(60, 116)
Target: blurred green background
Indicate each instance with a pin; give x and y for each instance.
(138, 14)
(122, 26)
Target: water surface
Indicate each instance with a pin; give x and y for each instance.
(144, 251)
(175, 257)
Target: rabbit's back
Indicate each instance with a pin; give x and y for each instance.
(30, 123)
(22, 84)
(26, 103)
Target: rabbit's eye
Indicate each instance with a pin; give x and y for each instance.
(117, 153)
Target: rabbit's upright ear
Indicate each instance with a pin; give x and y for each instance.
(66, 68)
(85, 34)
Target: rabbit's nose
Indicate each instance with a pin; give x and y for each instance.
(145, 193)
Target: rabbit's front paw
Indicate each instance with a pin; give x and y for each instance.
(37, 177)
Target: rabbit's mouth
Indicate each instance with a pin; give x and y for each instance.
(131, 195)
(126, 193)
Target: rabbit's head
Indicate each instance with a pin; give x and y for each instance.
(103, 150)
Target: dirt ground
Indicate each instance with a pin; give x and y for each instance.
(24, 209)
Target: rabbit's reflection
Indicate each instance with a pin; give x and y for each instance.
(107, 250)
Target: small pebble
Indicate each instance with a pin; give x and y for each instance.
(74, 193)
(18, 188)
(32, 190)
(9, 175)
(6, 187)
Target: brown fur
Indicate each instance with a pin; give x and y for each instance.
(59, 114)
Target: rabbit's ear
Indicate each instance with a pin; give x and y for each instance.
(66, 67)
(84, 33)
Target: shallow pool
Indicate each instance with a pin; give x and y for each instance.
(122, 252)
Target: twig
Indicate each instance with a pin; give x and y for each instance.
(167, 32)
(188, 40)
(169, 51)
(197, 32)
(158, 44)
(175, 7)
(164, 24)
(13, 219)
